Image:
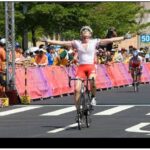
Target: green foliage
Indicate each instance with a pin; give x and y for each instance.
(70, 34)
(121, 15)
(2, 20)
(66, 18)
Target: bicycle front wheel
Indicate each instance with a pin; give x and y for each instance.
(80, 111)
(79, 121)
(135, 87)
(87, 111)
(88, 120)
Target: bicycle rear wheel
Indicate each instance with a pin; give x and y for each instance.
(135, 80)
(87, 111)
(88, 120)
(135, 87)
(80, 112)
(79, 121)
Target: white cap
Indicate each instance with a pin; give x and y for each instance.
(43, 50)
(138, 51)
(33, 49)
(113, 50)
(3, 40)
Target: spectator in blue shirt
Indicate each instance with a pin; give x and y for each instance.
(50, 55)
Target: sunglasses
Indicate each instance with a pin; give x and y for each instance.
(86, 30)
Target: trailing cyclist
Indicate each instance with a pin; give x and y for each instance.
(135, 62)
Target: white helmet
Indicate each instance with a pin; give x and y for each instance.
(3, 41)
(135, 53)
(86, 28)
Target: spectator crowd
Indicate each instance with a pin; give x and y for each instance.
(66, 56)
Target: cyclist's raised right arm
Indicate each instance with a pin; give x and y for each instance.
(62, 43)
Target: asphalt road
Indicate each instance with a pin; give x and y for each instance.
(120, 113)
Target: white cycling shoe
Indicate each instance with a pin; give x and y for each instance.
(93, 101)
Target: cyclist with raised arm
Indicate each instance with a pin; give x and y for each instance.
(135, 62)
(86, 48)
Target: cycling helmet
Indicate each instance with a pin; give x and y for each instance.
(84, 28)
(3, 41)
(135, 53)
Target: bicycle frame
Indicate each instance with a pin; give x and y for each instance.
(135, 77)
(84, 111)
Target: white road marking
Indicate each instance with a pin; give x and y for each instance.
(60, 111)
(148, 114)
(62, 129)
(114, 110)
(18, 110)
(101, 105)
(137, 128)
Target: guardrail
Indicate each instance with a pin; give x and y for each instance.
(49, 81)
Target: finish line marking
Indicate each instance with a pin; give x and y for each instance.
(18, 110)
(48, 105)
(114, 110)
(62, 129)
(60, 111)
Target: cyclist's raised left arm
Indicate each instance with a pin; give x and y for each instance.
(115, 39)
(111, 40)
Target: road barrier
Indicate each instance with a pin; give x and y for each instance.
(49, 81)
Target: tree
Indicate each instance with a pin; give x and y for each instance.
(67, 18)
(121, 15)
(2, 19)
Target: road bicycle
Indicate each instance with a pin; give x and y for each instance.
(135, 79)
(84, 106)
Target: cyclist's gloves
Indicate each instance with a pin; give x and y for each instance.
(127, 36)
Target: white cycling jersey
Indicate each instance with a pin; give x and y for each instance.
(86, 55)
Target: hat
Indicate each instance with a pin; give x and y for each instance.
(57, 47)
(3, 40)
(63, 54)
(141, 52)
(33, 49)
(49, 47)
(17, 45)
(135, 53)
(113, 50)
(43, 50)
